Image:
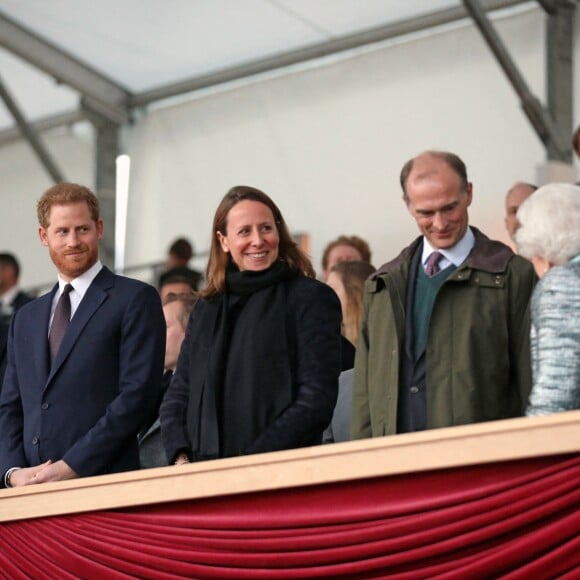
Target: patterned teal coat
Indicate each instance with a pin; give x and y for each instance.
(555, 341)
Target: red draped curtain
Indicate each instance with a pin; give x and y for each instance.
(514, 520)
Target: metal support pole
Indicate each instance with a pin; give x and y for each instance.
(107, 150)
(559, 74)
(31, 136)
(537, 115)
(549, 6)
(65, 68)
(107, 141)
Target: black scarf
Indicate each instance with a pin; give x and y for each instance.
(248, 382)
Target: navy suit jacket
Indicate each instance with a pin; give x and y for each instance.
(103, 385)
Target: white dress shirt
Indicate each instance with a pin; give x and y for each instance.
(80, 286)
(455, 255)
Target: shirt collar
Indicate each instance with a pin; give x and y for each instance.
(81, 283)
(455, 255)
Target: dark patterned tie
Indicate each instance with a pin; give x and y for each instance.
(432, 265)
(60, 322)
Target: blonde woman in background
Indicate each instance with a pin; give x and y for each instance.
(344, 249)
(347, 280)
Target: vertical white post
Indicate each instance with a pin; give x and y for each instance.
(123, 164)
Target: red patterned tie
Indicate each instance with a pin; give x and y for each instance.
(60, 321)
(432, 265)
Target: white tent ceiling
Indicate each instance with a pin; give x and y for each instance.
(144, 45)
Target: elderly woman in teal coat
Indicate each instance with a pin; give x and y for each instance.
(549, 236)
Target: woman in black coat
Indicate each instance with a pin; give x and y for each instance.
(258, 369)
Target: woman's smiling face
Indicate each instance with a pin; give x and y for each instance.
(251, 236)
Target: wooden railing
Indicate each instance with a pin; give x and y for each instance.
(497, 441)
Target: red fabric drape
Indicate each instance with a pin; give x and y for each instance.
(517, 520)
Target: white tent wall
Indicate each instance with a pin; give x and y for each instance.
(326, 142)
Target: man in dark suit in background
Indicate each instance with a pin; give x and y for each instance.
(177, 267)
(516, 195)
(11, 299)
(85, 361)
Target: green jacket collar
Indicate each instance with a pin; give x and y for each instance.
(487, 255)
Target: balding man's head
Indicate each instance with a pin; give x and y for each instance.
(422, 166)
(437, 194)
(516, 195)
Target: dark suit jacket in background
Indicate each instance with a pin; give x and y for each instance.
(19, 300)
(88, 408)
(339, 428)
(151, 450)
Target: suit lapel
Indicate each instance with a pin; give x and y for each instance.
(40, 316)
(96, 294)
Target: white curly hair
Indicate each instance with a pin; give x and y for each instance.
(550, 223)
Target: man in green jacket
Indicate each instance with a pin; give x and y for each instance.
(445, 326)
